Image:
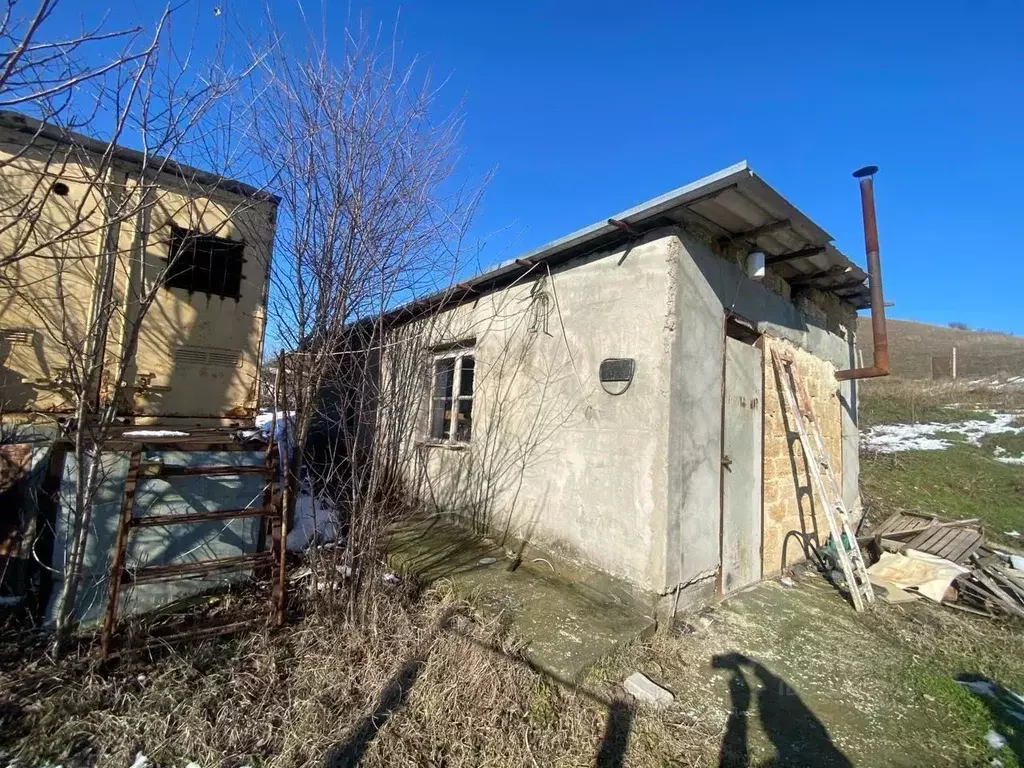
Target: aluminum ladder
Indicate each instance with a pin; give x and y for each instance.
(820, 469)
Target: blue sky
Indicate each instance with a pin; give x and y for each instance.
(585, 109)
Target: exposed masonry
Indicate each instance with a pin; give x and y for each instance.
(791, 509)
(837, 316)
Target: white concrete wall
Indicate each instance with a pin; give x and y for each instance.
(553, 457)
(629, 483)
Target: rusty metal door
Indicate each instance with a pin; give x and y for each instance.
(741, 466)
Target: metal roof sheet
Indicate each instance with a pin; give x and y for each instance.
(731, 202)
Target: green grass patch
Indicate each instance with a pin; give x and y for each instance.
(909, 408)
(965, 716)
(960, 482)
(1012, 444)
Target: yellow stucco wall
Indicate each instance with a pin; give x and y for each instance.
(197, 356)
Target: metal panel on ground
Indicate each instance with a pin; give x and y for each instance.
(151, 546)
(741, 462)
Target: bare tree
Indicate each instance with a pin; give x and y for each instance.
(371, 216)
(77, 213)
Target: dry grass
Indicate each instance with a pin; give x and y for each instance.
(912, 345)
(423, 683)
(895, 400)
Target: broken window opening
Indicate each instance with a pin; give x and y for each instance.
(205, 263)
(451, 412)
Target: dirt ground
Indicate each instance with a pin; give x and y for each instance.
(793, 676)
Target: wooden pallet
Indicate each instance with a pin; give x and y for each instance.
(954, 540)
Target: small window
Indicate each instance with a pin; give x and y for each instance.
(205, 263)
(451, 406)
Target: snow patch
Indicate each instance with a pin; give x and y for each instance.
(155, 433)
(314, 523)
(1001, 455)
(893, 438)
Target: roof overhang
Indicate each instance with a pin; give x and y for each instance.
(33, 130)
(735, 204)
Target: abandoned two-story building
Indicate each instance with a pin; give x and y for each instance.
(611, 396)
(83, 225)
(67, 203)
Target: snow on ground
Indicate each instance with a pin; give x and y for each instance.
(1001, 455)
(892, 438)
(313, 523)
(155, 433)
(999, 383)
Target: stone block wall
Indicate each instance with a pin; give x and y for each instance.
(791, 506)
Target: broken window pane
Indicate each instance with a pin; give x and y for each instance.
(204, 263)
(466, 385)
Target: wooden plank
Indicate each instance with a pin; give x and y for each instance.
(967, 545)
(920, 542)
(1004, 600)
(891, 523)
(942, 542)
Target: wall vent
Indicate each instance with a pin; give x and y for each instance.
(16, 336)
(223, 358)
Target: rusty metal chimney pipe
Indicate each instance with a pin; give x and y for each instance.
(879, 333)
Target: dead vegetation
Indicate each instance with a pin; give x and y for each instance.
(912, 346)
(896, 400)
(422, 682)
(419, 683)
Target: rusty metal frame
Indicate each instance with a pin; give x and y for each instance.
(271, 509)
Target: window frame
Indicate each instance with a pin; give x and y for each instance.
(458, 354)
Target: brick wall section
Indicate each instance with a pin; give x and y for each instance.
(791, 505)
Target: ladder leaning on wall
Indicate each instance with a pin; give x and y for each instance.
(848, 553)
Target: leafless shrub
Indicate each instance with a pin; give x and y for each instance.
(371, 215)
(68, 202)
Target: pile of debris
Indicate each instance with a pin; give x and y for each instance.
(995, 585)
(947, 561)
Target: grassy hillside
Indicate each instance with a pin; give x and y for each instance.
(912, 345)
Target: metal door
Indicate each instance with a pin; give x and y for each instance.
(741, 466)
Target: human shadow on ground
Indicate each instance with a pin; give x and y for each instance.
(799, 737)
(1005, 707)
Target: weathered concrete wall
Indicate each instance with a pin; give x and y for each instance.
(708, 287)
(554, 458)
(629, 483)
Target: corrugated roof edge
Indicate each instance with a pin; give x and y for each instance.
(596, 233)
(21, 123)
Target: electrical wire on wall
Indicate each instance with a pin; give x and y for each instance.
(565, 339)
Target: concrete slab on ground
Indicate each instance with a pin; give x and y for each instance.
(569, 617)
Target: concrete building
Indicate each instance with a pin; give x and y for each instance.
(68, 202)
(610, 396)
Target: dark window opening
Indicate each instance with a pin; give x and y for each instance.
(205, 263)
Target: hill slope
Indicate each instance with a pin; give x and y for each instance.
(912, 346)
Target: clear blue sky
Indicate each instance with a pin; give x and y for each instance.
(586, 109)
